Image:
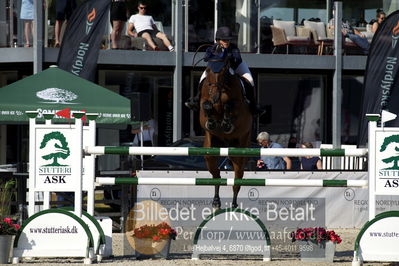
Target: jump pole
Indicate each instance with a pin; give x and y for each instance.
(246, 152)
(231, 182)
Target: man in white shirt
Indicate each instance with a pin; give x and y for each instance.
(146, 28)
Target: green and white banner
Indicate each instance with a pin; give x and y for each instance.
(387, 163)
(55, 153)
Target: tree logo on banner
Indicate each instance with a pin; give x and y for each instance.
(57, 147)
(394, 139)
(57, 95)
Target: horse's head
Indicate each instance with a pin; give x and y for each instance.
(218, 73)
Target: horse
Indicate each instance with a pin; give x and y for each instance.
(226, 118)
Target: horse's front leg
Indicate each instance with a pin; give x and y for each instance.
(211, 163)
(227, 123)
(210, 123)
(238, 166)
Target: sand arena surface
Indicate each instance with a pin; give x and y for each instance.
(343, 256)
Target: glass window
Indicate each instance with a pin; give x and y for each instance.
(200, 26)
(352, 87)
(279, 13)
(159, 86)
(311, 13)
(294, 107)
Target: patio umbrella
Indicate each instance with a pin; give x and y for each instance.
(57, 91)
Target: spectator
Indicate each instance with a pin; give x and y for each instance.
(380, 18)
(292, 144)
(118, 18)
(64, 9)
(271, 162)
(308, 162)
(27, 16)
(354, 35)
(146, 28)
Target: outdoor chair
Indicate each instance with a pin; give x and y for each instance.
(320, 35)
(285, 33)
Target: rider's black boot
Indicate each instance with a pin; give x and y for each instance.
(193, 102)
(250, 94)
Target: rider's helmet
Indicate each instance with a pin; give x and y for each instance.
(224, 33)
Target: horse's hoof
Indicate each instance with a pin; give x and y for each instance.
(210, 125)
(215, 209)
(228, 128)
(216, 203)
(234, 205)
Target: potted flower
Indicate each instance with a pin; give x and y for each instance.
(317, 243)
(7, 229)
(152, 239)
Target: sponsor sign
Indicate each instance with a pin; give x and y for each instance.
(55, 159)
(380, 240)
(53, 233)
(387, 163)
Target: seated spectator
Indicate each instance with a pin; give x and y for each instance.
(380, 18)
(308, 162)
(27, 16)
(292, 143)
(354, 35)
(118, 18)
(146, 28)
(271, 162)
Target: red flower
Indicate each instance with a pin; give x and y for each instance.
(7, 227)
(155, 232)
(316, 234)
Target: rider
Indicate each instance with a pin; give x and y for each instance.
(220, 49)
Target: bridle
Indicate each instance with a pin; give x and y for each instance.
(221, 83)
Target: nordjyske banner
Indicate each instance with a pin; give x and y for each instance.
(81, 42)
(381, 90)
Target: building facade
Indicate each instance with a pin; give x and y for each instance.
(312, 97)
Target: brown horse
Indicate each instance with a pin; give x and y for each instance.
(227, 121)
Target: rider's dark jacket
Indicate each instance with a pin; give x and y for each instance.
(216, 52)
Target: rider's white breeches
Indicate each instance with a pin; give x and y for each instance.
(241, 70)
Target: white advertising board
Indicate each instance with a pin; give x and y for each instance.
(380, 240)
(387, 162)
(56, 154)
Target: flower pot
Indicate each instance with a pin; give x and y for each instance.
(147, 248)
(5, 247)
(317, 252)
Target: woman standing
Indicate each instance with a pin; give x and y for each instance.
(27, 16)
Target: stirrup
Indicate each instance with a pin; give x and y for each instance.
(192, 105)
(257, 111)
